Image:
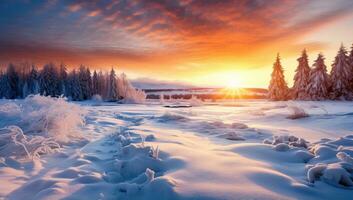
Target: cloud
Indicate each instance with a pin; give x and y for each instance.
(162, 32)
(41, 54)
(199, 26)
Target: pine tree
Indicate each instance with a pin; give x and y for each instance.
(33, 81)
(341, 75)
(278, 89)
(128, 92)
(12, 82)
(74, 87)
(112, 94)
(2, 84)
(63, 85)
(49, 81)
(106, 85)
(85, 82)
(101, 84)
(95, 83)
(22, 86)
(301, 77)
(319, 82)
(25, 90)
(89, 83)
(123, 85)
(350, 62)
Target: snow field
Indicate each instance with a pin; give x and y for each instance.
(213, 151)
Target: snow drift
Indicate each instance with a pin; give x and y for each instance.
(333, 162)
(38, 125)
(330, 161)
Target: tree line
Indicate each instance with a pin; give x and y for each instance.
(315, 83)
(19, 81)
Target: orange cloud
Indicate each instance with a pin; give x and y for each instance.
(156, 37)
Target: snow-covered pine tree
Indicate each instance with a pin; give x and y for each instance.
(12, 82)
(25, 91)
(75, 87)
(319, 81)
(123, 86)
(49, 81)
(89, 83)
(350, 62)
(85, 82)
(82, 81)
(69, 88)
(63, 80)
(95, 83)
(128, 92)
(101, 84)
(112, 94)
(106, 86)
(301, 77)
(22, 86)
(2, 84)
(341, 76)
(278, 89)
(33, 81)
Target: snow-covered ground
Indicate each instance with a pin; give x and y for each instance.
(231, 150)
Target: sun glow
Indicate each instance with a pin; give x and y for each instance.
(233, 84)
(227, 79)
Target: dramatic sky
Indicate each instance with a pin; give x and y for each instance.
(203, 42)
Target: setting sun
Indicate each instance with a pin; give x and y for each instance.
(233, 84)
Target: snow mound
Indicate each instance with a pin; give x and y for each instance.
(133, 119)
(97, 100)
(239, 125)
(333, 162)
(166, 117)
(287, 139)
(297, 113)
(233, 136)
(281, 147)
(146, 186)
(337, 174)
(138, 168)
(328, 160)
(222, 125)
